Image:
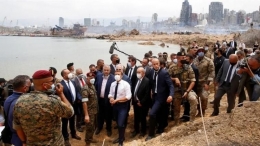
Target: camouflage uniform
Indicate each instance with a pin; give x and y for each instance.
(90, 97)
(209, 55)
(186, 76)
(206, 74)
(39, 115)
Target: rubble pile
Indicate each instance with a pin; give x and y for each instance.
(146, 43)
(134, 32)
(239, 128)
(249, 37)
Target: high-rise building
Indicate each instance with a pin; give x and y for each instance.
(87, 21)
(233, 18)
(61, 22)
(226, 16)
(241, 16)
(154, 18)
(255, 16)
(185, 16)
(215, 12)
(194, 19)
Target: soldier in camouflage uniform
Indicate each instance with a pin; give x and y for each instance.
(184, 80)
(206, 75)
(37, 115)
(90, 107)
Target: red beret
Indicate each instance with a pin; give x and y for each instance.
(90, 74)
(41, 74)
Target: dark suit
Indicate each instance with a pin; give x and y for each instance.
(164, 90)
(112, 69)
(147, 71)
(229, 52)
(235, 45)
(105, 112)
(71, 120)
(79, 113)
(144, 97)
(133, 76)
(225, 87)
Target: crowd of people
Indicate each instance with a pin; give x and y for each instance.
(38, 110)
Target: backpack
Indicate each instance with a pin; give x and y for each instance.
(6, 134)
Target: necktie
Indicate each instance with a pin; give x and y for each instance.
(154, 79)
(136, 89)
(116, 90)
(82, 82)
(130, 73)
(70, 91)
(229, 73)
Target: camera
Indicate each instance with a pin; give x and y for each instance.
(243, 64)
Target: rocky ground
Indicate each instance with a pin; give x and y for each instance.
(239, 128)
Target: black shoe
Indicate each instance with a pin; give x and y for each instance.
(186, 119)
(116, 141)
(80, 129)
(159, 131)
(181, 118)
(67, 143)
(76, 137)
(142, 134)
(214, 114)
(134, 134)
(109, 133)
(97, 131)
(240, 105)
(120, 144)
(149, 138)
(228, 111)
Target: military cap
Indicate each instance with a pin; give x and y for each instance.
(41, 74)
(2, 80)
(201, 48)
(70, 64)
(90, 74)
(180, 54)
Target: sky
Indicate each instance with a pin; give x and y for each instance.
(79, 9)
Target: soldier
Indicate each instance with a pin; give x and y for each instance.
(208, 53)
(206, 75)
(90, 107)
(37, 115)
(184, 80)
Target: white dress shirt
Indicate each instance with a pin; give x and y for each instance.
(103, 86)
(124, 90)
(72, 88)
(139, 82)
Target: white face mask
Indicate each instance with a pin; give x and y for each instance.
(92, 81)
(117, 77)
(175, 60)
(129, 64)
(70, 76)
(206, 48)
(139, 76)
(150, 64)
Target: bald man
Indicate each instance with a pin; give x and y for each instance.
(162, 95)
(226, 76)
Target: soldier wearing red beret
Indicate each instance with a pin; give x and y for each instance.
(37, 114)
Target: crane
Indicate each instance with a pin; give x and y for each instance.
(4, 21)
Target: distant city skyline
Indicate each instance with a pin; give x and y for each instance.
(47, 12)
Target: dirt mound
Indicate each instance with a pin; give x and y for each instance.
(134, 32)
(249, 37)
(146, 43)
(162, 45)
(239, 128)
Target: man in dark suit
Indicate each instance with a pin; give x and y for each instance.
(80, 80)
(141, 102)
(233, 44)
(162, 93)
(131, 72)
(226, 76)
(73, 96)
(146, 67)
(229, 51)
(105, 113)
(115, 61)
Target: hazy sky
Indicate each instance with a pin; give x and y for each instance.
(77, 9)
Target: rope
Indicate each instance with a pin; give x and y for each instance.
(203, 123)
(103, 142)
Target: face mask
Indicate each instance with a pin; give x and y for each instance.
(184, 62)
(129, 64)
(201, 54)
(150, 64)
(70, 75)
(139, 76)
(233, 63)
(118, 61)
(117, 77)
(175, 60)
(92, 81)
(80, 76)
(206, 48)
(52, 90)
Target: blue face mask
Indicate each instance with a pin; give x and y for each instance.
(201, 54)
